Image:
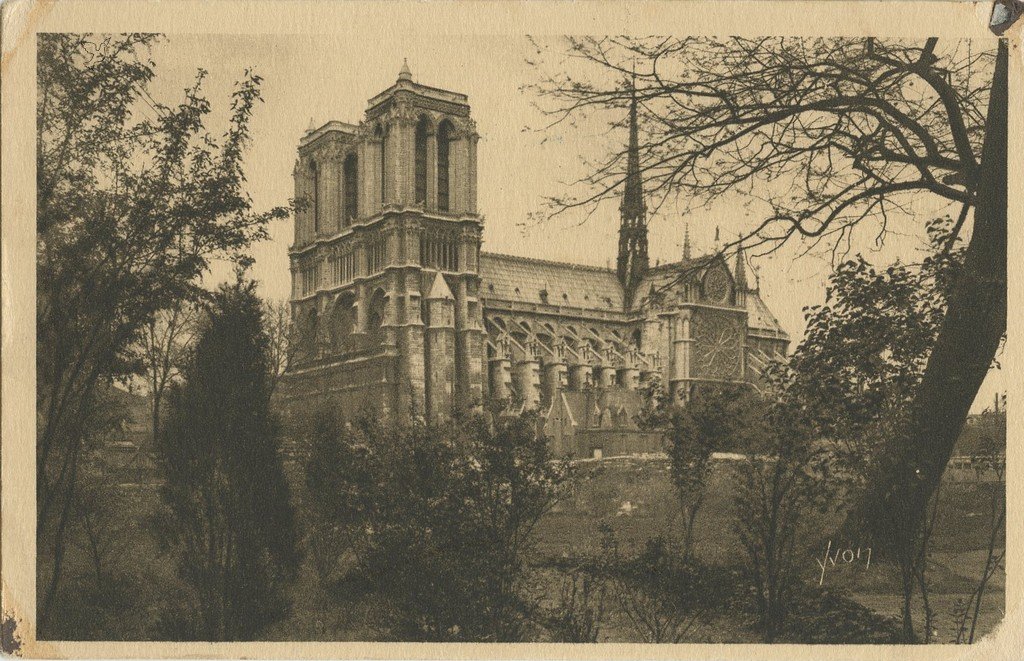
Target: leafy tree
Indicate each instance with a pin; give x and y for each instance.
(717, 418)
(229, 518)
(578, 614)
(781, 482)
(858, 368)
(659, 593)
(165, 343)
(865, 350)
(826, 135)
(439, 518)
(134, 198)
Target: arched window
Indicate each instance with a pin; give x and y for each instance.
(316, 197)
(444, 133)
(342, 322)
(351, 169)
(421, 160)
(382, 136)
(375, 317)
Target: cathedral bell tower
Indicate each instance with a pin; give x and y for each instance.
(633, 261)
(386, 256)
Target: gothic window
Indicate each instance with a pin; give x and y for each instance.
(310, 277)
(343, 267)
(343, 321)
(421, 161)
(309, 330)
(444, 133)
(316, 197)
(716, 286)
(351, 169)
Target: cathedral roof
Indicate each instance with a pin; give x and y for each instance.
(538, 282)
(759, 317)
(527, 280)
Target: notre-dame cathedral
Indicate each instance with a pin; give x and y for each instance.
(396, 310)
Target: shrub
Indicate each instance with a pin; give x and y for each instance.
(781, 483)
(228, 516)
(717, 418)
(438, 517)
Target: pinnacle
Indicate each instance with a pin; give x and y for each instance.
(405, 73)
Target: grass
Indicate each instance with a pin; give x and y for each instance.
(633, 497)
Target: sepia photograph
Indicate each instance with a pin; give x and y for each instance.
(646, 334)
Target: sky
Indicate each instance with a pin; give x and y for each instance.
(330, 77)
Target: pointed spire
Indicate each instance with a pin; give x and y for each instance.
(633, 260)
(687, 254)
(718, 239)
(741, 269)
(405, 73)
(311, 127)
(632, 206)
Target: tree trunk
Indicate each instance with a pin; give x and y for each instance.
(966, 346)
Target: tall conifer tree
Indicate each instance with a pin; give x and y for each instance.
(229, 516)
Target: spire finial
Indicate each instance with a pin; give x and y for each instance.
(633, 259)
(718, 239)
(741, 268)
(311, 127)
(686, 242)
(405, 73)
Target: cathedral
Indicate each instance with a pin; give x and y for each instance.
(396, 310)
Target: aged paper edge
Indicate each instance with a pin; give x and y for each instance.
(23, 19)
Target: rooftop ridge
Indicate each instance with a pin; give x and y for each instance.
(537, 260)
(698, 260)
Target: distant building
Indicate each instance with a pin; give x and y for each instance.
(398, 311)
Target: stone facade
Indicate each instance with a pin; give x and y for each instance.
(397, 311)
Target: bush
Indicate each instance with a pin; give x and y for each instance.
(438, 518)
(781, 484)
(228, 516)
(717, 418)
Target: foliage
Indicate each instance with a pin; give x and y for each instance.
(990, 457)
(164, 347)
(663, 596)
(438, 517)
(824, 136)
(864, 351)
(821, 616)
(717, 418)
(134, 198)
(781, 483)
(277, 315)
(579, 613)
(857, 373)
(228, 515)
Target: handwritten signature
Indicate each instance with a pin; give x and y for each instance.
(848, 556)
